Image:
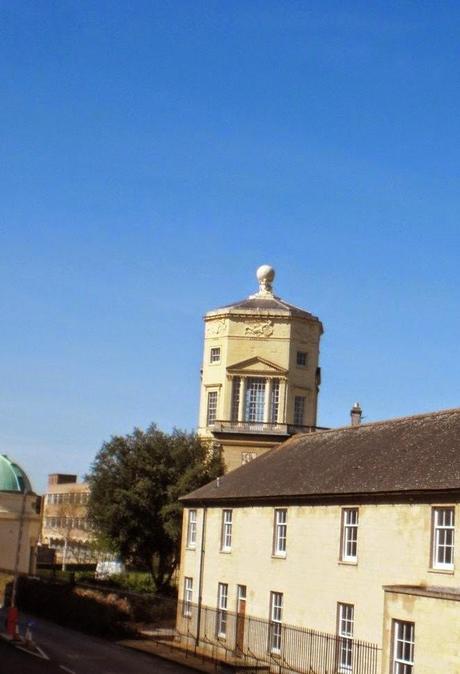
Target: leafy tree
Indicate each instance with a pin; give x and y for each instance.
(135, 482)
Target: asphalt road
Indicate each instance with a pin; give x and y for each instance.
(76, 653)
(13, 661)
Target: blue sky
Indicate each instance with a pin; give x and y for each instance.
(153, 154)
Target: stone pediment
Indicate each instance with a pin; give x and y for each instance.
(256, 365)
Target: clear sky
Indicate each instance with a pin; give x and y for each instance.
(153, 154)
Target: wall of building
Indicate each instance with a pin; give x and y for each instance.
(241, 338)
(10, 515)
(436, 621)
(394, 544)
(275, 339)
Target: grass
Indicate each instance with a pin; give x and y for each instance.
(132, 581)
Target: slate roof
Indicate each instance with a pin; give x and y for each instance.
(269, 304)
(412, 454)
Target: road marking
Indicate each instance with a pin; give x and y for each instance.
(66, 669)
(38, 653)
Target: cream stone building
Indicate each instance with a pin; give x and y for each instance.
(260, 375)
(19, 518)
(65, 525)
(336, 551)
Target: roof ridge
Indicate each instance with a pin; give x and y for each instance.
(382, 422)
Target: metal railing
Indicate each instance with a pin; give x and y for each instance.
(251, 639)
(268, 427)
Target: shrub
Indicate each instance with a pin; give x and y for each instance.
(87, 610)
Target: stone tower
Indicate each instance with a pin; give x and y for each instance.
(260, 377)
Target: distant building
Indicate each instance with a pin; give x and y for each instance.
(19, 518)
(337, 551)
(65, 523)
(261, 375)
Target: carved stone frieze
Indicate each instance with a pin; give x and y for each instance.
(216, 327)
(259, 329)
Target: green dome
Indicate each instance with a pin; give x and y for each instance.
(12, 477)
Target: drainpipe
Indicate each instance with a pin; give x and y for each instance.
(200, 577)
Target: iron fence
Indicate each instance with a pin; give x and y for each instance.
(285, 648)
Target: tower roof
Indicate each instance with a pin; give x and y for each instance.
(270, 304)
(12, 477)
(264, 300)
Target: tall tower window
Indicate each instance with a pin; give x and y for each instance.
(255, 399)
(212, 407)
(236, 386)
(275, 401)
(299, 409)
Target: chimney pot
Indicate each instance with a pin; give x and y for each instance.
(356, 414)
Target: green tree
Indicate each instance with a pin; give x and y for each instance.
(135, 482)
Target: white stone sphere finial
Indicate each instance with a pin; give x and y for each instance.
(265, 275)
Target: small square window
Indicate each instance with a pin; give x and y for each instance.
(302, 358)
(215, 355)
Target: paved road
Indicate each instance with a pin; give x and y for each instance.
(16, 662)
(76, 653)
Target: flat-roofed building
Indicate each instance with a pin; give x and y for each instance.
(65, 523)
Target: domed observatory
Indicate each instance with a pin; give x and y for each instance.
(19, 518)
(261, 376)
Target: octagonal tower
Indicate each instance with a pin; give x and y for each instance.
(261, 375)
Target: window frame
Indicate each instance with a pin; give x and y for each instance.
(211, 410)
(403, 665)
(275, 623)
(213, 351)
(303, 364)
(222, 610)
(192, 529)
(436, 534)
(348, 528)
(275, 391)
(345, 644)
(188, 597)
(299, 412)
(254, 399)
(280, 532)
(236, 397)
(226, 530)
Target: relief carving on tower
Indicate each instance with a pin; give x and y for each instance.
(216, 328)
(259, 329)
